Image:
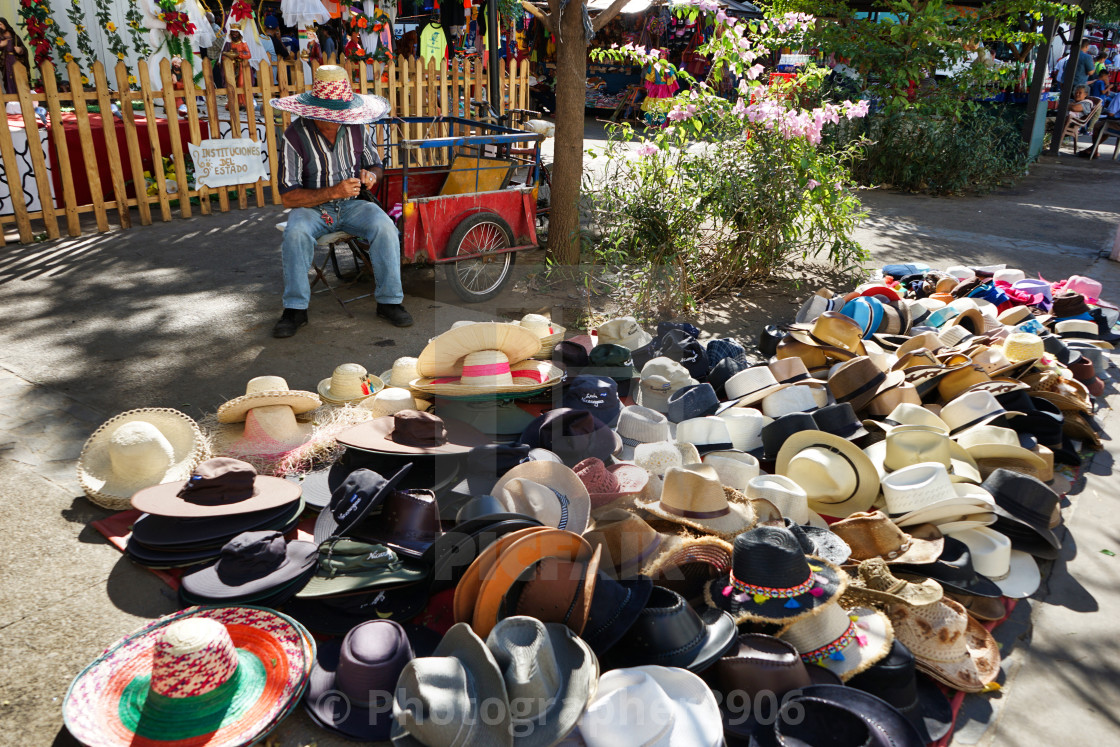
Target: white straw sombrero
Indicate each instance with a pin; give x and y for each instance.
(138, 449)
(403, 371)
(332, 99)
(263, 391)
(548, 331)
(491, 372)
(444, 355)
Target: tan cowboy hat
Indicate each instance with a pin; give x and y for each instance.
(993, 442)
(443, 356)
(264, 391)
(837, 477)
(947, 644)
(628, 542)
(138, 449)
(692, 495)
(346, 385)
(911, 444)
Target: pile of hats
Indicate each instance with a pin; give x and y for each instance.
(510, 550)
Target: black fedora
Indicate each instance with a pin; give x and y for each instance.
(615, 605)
(485, 464)
(918, 698)
(1024, 506)
(435, 472)
(769, 338)
(352, 501)
(775, 434)
(252, 564)
(408, 522)
(1042, 419)
(573, 435)
(839, 420)
(953, 570)
(669, 633)
(479, 522)
(353, 681)
(723, 370)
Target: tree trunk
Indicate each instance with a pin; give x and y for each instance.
(567, 165)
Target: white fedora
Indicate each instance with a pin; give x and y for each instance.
(924, 494)
(745, 425)
(911, 444)
(787, 496)
(796, 398)
(992, 443)
(736, 469)
(706, 434)
(838, 478)
(1013, 571)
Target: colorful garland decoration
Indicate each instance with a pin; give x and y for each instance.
(115, 42)
(362, 23)
(85, 44)
(136, 31)
(179, 27)
(42, 34)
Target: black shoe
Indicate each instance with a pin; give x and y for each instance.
(395, 313)
(289, 322)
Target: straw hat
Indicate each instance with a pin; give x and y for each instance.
(138, 449)
(1023, 346)
(1015, 572)
(566, 505)
(832, 330)
(993, 442)
(332, 99)
(265, 391)
(693, 496)
(876, 585)
(911, 444)
(846, 642)
(909, 414)
(609, 484)
(350, 382)
(628, 542)
(492, 372)
(787, 496)
(402, 373)
(545, 329)
(947, 644)
(736, 469)
(224, 676)
(389, 401)
(745, 425)
(923, 493)
(838, 478)
(443, 356)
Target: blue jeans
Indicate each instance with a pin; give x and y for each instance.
(356, 217)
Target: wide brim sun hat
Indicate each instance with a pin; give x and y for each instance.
(332, 99)
(443, 355)
(112, 701)
(846, 642)
(266, 391)
(182, 447)
(524, 377)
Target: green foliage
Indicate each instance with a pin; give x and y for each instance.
(918, 151)
(1103, 11)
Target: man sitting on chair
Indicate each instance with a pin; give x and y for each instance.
(326, 157)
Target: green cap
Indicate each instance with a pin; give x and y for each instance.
(346, 565)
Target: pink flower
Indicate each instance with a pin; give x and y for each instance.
(646, 149)
(813, 184)
(754, 71)
(857, 110)
(677, 114)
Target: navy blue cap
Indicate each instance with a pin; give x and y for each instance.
(664, 328)
(726, 347)
(696, 401)
(597, 395)
(687, 351)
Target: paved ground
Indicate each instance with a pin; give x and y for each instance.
(178, 315)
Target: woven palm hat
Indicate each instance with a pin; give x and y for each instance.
(221, 676)
(736, 469)
(138, 449)
(402, 373)
(443, 355)
(909, 414)
(565, 505)
(947, 644)
(389, 401)
(772, 580)
(544, 328)
(332, 99)
(838, 478)
(787, 496)
(1023, 346)
(923, 493)
(491, 372)
(845, 642)
(875, 585)
(912, 444)
(692, 495)
(266, 391)
(350, 382)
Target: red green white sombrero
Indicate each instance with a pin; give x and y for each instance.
(332, 99)
(219, 676)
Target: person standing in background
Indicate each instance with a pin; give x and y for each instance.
(214, 51)
(12, 51)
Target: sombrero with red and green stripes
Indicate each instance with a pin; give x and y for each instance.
(332, 99)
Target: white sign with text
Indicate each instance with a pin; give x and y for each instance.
(223, 163)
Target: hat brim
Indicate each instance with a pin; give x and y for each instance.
(377, 436)
(324, 391)
(209, 583)
(888, 724)
(961, 467)
(108, 489)
(335, 616)
(547, 376)
(409, 572)
(169, 532)
(469, 585)
(443, 355)
(879, 633)
(867, 477)
(739, 518)
(829, 545)
(744, 608)
(94, 713)
(164, 500)
(914, 593)
(985, 609)
(235, 410)
(362, 109)
(1023, 576)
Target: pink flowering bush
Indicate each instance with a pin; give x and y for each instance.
(736, 186)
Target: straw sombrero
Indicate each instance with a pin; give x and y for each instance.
(263, 391)
(138, 449)
(350, 382)
(332, 99)
(214, 675)
(443, 356)
(487, 372)
(548, 331)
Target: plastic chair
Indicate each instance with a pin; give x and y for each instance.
(1076, 120)
(1109, 128)
(331, 242)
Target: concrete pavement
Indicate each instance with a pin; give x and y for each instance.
(179, 315)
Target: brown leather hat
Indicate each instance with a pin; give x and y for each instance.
(409, 522)
(859, 381)
(874, 535)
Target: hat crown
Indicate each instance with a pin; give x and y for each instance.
(838, 330)
(261, 552)
(626, 700)
(990, 551)
(596, 477)
(434, 701)
(875, 574)
(787, 496)
(404, 371)
(826, 475)
(970, 408)
(266, 384)
(346, 381)
(695, 400)
(523, 496)
(817, 631)
(790, 399)
(749, 380)
(703, 431)
(341, 556)
(372, 657)
(625, 538)
(139, 450)
(390, 401)
(744, 425)
(733, 469)
(486, 368)
(192, 657)
(988, 434)
(657, 457)
(911, 444)
(762, 663)
(332, 84)
(639, 425)
(220, 481)
(537, 324)
(770, 557)
(523, 649)
(694, 488)
(908, 413)
(933, 632)
(872, 535)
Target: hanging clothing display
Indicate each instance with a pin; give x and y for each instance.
(433, 42)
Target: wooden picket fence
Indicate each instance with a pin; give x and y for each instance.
(413, 87)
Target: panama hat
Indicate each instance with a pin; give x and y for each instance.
(627, 541)
(947, 644)
(138, 449)
(692, 495)
(772, 580)
(832, 330)
(750, 386)
(332, 99)
(907, 413)
(838, 478)
(923, 493)
(217, 487)
(990, 442)
(911, 444)
(707, 434)
(391, 400)
(264, 391)
(744, 425)
(787, 496)
(350, 382)
(440, 699)
(566, 505)
(846, 642)
(736, 469)
(651, 706)
(402, 373)
(220, 675)
(1015, 572)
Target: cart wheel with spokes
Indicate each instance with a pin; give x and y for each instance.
(482, 273)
